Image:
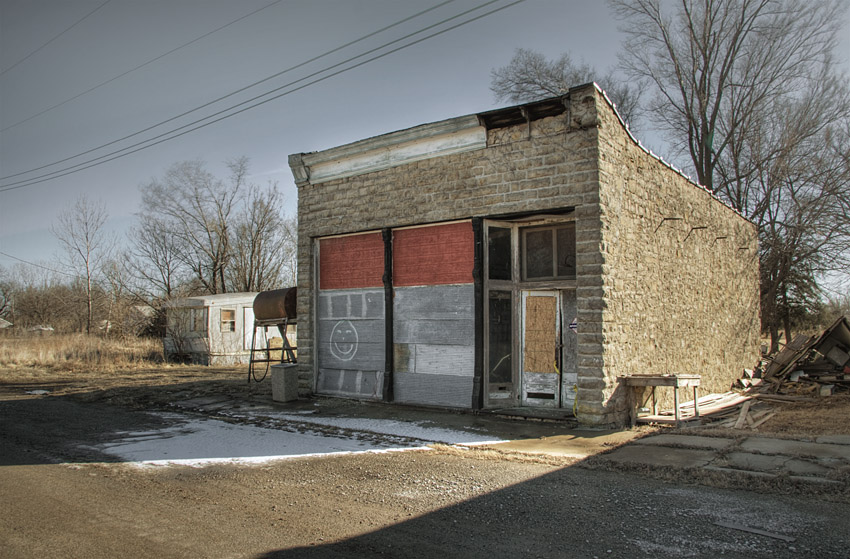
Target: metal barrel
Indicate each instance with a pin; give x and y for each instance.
(276, 303)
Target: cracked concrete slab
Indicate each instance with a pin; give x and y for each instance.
(661, 456)
(795, 448)
(834, 439)
(773, 463)
(692, 441)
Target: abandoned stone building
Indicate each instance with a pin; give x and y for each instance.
(521, 258)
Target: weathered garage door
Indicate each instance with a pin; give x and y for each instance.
(350, 329)
(433, 315)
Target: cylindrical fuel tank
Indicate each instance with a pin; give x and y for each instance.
(277, 303)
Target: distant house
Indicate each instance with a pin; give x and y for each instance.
(210, 329)
(524, 257)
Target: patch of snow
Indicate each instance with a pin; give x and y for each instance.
(38, 392)
(407, 429)
(197, 442)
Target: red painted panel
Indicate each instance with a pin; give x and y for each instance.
(434, 255)
(351, 262)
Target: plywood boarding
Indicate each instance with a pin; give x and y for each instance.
(541, 315)
(433, 255)
(350, 262)
(444, 360)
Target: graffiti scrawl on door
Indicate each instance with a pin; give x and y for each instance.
(344, 340)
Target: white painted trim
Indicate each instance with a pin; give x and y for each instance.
(447, 137)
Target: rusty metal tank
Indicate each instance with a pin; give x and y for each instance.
(276, 304)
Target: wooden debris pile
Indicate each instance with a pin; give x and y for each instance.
(808, 366)
(747, 415)
(732, 410)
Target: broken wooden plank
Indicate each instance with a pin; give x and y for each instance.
(743, 415)
(762, 420)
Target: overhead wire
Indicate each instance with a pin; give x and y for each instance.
(172, 134)
(76, 23)
(223, 97)
(139, 67)
(36, 265)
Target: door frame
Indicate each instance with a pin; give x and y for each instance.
(516, 287)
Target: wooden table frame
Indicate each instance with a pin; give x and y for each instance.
(676, 381)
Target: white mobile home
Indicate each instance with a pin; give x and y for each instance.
(210, 329)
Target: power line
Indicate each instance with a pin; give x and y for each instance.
(79, 21)
(231, 94)
(156, 140)
(36, 265)
(140, 66)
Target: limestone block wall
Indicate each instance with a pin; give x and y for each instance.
(549, 164)
(679, 273)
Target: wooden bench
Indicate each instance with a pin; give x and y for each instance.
(632, 382)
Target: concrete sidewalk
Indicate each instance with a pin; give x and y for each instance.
(825, 460)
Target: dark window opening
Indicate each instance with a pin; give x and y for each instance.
(499, 253)
(500, 346)
(549, 253)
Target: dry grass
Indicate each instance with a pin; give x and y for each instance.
(73, 351)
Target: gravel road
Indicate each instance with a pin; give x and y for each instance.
(61, 497)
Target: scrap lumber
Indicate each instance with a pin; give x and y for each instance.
(742, 416)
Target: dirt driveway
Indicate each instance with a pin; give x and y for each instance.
(62, 496)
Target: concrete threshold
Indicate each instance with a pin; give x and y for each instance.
(550, 414)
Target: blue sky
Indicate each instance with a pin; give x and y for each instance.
(442, 77)
(53, 51)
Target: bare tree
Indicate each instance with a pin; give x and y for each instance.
(530, 76)
(196, 208)
(198, 233)
(263, 241)
(748, 90)
(714, 63)
(153, 263)
(6, 293)
(80, 230)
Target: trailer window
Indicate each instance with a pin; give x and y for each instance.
(228, 320)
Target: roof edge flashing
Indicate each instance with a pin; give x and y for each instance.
(389, 150)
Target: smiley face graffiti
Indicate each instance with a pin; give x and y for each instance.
(344, 340)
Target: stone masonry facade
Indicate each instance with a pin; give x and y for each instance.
(666, 275)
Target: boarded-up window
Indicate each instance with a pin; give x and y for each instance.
(351, 262)
(228, 320)
(434, 255)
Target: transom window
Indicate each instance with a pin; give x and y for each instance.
(549, 252)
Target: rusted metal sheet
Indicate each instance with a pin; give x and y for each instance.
(276, 304)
